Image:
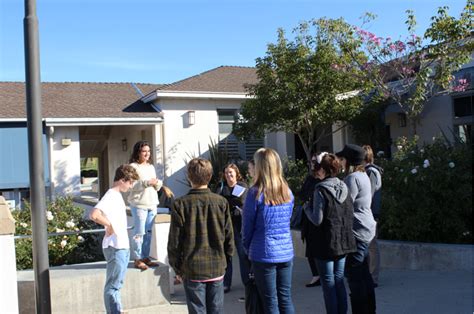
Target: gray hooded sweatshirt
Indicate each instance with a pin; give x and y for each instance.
(336, 188)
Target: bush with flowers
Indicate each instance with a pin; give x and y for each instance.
(61, 216)
(427, 192)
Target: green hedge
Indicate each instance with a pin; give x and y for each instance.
(427, 193)
(61, 215)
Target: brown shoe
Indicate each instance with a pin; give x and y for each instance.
(140, 264)
(149, 263)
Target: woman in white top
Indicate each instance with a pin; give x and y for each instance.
(143, 200)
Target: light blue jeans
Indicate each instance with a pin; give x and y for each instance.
(332, 280)
(143, 220)
(117, 262)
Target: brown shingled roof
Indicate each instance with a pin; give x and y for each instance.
(224, 79)
(78, 100)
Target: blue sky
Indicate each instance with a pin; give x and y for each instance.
(162, 41)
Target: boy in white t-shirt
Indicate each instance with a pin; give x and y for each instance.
(111, 213)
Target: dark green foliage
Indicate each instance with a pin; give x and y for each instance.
(428, 203)
(62, 215)
(295, 174)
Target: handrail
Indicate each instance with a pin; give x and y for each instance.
(54, 234)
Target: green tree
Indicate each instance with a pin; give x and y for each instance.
(301, 89)
(409, 72)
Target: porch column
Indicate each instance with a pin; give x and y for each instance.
(8, 283)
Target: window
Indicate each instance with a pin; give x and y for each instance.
(229, 142)
(462, 106)
(402, 120)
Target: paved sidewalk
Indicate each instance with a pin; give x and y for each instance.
(398, 292)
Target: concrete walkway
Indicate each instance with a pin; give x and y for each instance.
(402, 291)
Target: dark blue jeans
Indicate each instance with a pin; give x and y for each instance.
(244, 263)
(204, 297)
(274, 285)
(332, 280)
(360, 281)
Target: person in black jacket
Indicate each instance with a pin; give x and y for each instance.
(307, 236)
(234, 190)
(332, 216)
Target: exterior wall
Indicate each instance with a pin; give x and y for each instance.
(133, 134)
(182, 141)
(279, 142)
(436, 118)
(65, 161)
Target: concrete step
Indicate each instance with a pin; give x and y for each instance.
(79, 288)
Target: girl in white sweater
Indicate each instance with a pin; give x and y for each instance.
(143, 200)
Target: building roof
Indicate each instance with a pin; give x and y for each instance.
(79, 100)
(224, 79)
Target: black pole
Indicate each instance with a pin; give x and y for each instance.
(35, 154)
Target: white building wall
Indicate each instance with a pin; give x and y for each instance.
(182, 141)
(65, 161)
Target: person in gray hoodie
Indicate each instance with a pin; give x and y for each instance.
(332, 216)
(357, 267)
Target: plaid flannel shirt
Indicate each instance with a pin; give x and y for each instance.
(201, 235)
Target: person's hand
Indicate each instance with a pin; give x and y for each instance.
(179, 279)
(109, 230)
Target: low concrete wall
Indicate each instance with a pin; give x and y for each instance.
(79, 288)
(414, 255)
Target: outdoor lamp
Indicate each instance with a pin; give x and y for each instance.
(124, 145)
(191, 117)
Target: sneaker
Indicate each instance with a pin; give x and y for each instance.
(140, 265)
(242, 299)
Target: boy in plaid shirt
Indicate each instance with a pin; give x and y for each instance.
(201, 240)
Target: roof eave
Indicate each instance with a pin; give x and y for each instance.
(193, 95)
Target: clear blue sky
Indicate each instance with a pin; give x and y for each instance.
(162, 41)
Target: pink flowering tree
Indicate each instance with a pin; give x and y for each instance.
(409, 71)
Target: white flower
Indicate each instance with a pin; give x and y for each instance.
(49, 215)
(24, 225)
(414, 171)
(80, 238)
(399, 147)
(380, 153)
(63, 243)
(405, 180)
(59, 230)
(422, 150)
(401, 170)
(70, 224)
(426, 163)
(451, 165)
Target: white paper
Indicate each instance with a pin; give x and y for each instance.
(238, 190)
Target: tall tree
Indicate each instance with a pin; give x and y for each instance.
(411, 71)
(301, 88)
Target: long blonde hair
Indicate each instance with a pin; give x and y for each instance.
(268, 177)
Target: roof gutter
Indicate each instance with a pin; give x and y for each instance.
(101, 121)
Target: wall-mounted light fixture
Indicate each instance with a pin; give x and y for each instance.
(124, 145)
(191, 117)
(66, 141)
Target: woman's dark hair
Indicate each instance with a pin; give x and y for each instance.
(330, 164)
(238, 176)
(137, 149)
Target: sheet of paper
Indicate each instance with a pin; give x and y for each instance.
(238, 190)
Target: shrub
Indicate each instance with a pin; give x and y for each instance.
(295, 172)
(62, 215)
(427, 193)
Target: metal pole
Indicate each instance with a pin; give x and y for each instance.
(35, 154)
